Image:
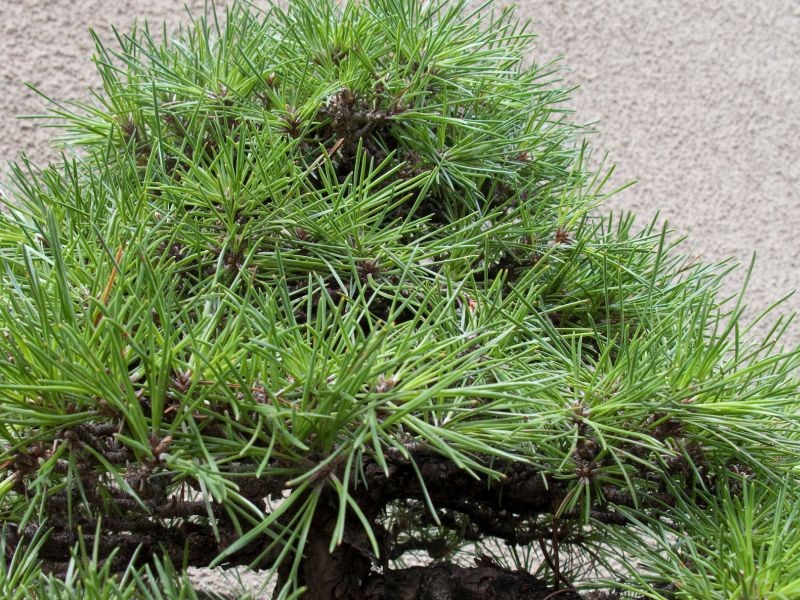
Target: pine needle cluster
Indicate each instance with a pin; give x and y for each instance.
(323, 291)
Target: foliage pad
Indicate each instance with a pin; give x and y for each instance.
(322, 291)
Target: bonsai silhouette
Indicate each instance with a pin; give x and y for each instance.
(322, 290)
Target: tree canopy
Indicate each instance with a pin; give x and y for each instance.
(324, 290)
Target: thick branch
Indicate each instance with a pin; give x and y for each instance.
(447, 581)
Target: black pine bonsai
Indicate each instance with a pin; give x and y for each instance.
(322, 291)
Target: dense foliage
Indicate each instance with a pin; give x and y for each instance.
(323, 291)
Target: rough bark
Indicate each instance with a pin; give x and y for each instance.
(447, 581)
(507, 509)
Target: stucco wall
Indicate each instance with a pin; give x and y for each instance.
(699, 102)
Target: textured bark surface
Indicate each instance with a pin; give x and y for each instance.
(509, 509)
(501, 510)
(452, 582)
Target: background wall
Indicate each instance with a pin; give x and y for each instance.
(697, 101)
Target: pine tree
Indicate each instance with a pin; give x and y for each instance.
(324, 291)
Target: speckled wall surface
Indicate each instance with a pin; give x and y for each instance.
(697, 101)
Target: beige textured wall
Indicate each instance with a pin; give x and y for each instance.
(697, 101)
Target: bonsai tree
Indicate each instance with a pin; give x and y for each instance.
(323, 291)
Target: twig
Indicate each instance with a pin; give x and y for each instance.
(109, 284)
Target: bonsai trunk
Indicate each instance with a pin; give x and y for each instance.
(352, 572)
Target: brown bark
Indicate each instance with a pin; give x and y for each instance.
(508, 508)
(446, 581)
